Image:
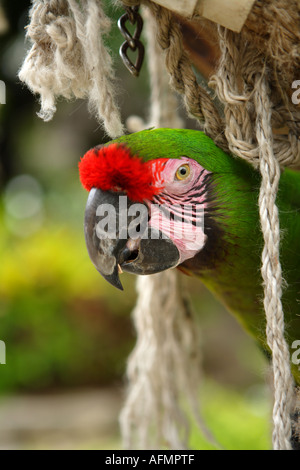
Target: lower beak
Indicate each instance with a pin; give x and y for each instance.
(119, 241)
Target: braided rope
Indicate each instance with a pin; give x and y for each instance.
(271, 272)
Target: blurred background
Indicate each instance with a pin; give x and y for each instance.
(68, 333)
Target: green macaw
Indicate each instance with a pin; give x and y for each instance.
(164, 170)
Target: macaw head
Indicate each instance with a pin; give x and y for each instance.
(150, 197)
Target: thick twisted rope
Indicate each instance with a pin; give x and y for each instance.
(240, 62)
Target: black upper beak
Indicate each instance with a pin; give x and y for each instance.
(118, 238)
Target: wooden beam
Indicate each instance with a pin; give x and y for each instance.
(229, 13)
(182, 7)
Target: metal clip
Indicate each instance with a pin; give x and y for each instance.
(132, 41)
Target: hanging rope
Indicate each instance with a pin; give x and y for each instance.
(68, 58)
(271, 271)
(164, 364)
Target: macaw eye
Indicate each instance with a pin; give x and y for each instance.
(183, 172)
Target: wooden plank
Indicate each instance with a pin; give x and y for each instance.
(183, 7)
(229, 13)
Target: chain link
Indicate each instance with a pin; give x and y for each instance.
(132, 41)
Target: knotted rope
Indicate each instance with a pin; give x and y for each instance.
(68, 58)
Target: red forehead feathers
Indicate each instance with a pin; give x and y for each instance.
(115, 168)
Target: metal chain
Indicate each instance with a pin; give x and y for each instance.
(132, 41)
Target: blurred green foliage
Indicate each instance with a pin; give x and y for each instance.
(237, 421)
(61, 324)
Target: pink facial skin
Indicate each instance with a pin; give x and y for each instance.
(179, 199)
